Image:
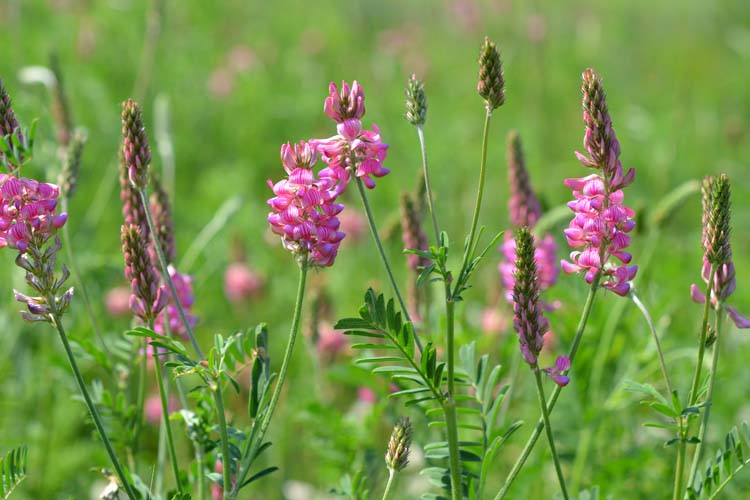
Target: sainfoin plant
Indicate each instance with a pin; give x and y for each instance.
(182, 418)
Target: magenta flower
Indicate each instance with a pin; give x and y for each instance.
(599, 228)
(557, 372)
(305, 209)
(183, 285)
(353, 149)
(27, 208)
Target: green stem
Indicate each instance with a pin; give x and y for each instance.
(709, 398)
(253, 445)
(165, 272)
(726, 481)
(389, 484)
(201, 472)
(226, 461)
(92, 410)
(548, 427)
(650, 322)
(165, 417)
(140, 398)
(693, 398)
(680, 466)
(428, 185)
(81, 284)
(469, 250)
(555, 394)
(383, 257)
(449, 406)
(593, 394)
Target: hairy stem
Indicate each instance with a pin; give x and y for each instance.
(680, 466)
(389, 484)
(428, 185)
(201, 472)
(555, 394)
(165, 415)
(470, 244)
(254, 444)
(548, 427)
(693, 398)
(449, 406)
(709, 398)
(93, 411)
(226, 460)
(140, 398)
(383, 257)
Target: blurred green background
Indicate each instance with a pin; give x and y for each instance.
(241, 78)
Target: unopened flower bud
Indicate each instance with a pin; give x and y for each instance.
(135, 144)
(397, 455)
(491, 85)
(416, 102)
(716, 244)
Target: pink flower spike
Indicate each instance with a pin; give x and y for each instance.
(601, 221)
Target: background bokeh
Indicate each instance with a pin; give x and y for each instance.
(240, 78)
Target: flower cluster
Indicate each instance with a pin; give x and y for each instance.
(528, 319)
(717, 248)
(27, 208)
(491, 86)
(599, 228)
(135, 148)
(353, 149)
(304, 207)
(525, 210)
(28, 221)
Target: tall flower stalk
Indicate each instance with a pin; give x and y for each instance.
(718, 272)
(360, 153)
(531, 325)
(598, 231)
(29, 224)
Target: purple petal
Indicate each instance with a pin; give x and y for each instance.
(562, 364)
(697, 295)
(739, 320)
(560, 380)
